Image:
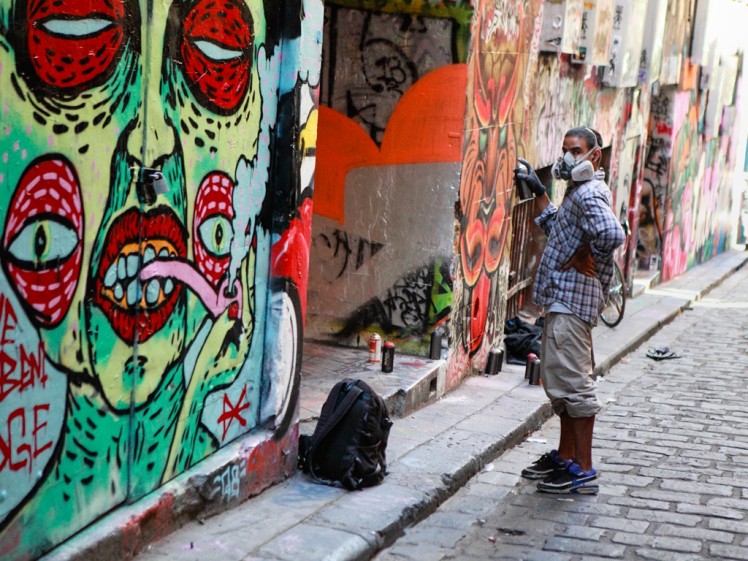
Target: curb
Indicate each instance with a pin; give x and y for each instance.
(232, 475)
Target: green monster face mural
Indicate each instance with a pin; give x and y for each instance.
(105, 96)
(128, 311)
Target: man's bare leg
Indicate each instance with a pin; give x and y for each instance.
(566, 442)
(575, 440)
(582, 428)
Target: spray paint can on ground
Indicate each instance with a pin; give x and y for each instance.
(435, 348)
(494, 362)
(375, 348)
(388, 356)
(528, 365)
(534, 378)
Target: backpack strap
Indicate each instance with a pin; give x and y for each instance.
(328, 407)
(332, 419)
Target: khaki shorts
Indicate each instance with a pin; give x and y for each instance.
(567, 365)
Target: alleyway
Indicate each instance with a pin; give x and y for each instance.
(672, 449)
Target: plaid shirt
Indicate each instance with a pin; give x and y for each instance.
(584, 216)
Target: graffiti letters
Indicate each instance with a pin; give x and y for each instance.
(406, 302)
(345, 252)
(391, 52)
(20, 368)
(19, 438)
(227, 484)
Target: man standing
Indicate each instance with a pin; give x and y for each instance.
(571, 284)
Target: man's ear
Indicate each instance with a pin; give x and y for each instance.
(597, 157)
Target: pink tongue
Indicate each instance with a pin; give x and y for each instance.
(214, 299)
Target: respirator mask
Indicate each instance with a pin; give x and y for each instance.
(574, 169)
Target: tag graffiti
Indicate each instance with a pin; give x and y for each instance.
(228, 483)
(19, 438)
(20, 370)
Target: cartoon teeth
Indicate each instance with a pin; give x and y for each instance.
(121, 282)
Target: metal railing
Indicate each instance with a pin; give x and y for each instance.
(521, 271)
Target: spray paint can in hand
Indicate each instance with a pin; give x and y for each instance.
(375, 348)
(388, 356)
(523, 188)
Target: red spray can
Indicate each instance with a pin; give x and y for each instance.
(375, 348)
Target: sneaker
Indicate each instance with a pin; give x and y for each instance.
(544, 466)
(571, 480)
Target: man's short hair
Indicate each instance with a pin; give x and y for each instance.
(593, 138)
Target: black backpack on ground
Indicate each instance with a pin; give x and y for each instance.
(349, 442)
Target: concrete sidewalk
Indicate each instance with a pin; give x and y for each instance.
(432, 453)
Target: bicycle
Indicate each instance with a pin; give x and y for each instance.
(615, 305)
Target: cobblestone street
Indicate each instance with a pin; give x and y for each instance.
(671, 445)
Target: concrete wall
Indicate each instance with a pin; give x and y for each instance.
(143, 331)
(390, 138)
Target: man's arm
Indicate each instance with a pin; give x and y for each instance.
(582, 261)
(602, 230)
(543, 206)
(601, 227)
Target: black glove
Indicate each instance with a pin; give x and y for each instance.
(529, 177)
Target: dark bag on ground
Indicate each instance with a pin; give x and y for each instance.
(348, 445)
(522, 338)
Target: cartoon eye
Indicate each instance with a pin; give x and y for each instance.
(43, 242)
(216, 52)
(213, 229)
(42, 248)
(75, 44)
(76, 28)
(216, 234)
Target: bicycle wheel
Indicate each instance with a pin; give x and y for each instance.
(612, 314)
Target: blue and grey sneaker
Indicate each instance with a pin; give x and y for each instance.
(548, 464)
(572, 480)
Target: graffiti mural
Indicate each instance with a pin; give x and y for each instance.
(519, 104)
(696, 226)
(138, 224)
(489, 157)
(502, 37)
(656, 175)
(384, 199)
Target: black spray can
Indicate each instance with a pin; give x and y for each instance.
(388, 356)
(535, 372)
(435, 349)
(528, 365)
(494, 362)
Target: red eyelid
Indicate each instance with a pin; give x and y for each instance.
(220, 84)
(40, 10)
